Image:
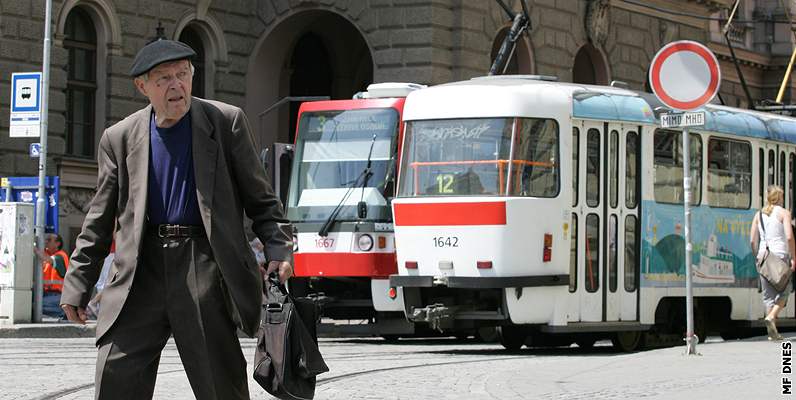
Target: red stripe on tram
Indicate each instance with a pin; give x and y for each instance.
(433, 214)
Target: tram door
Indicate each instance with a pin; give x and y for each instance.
(775, 169)
(588, 220)
(621, 230)
(605, 221)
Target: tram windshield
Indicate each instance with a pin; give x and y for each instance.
(332, 149)
(480, 157)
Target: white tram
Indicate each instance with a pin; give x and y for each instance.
(554, 212)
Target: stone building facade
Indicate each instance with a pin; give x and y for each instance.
(255, 52)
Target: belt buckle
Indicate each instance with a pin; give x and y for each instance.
(163, 230)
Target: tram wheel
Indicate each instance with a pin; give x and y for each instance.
(462, 337)
(391, 338)
(627, 341)
(486, 334)
(512, 338)
(586, 343)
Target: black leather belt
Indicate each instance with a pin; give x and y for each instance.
(179, 231)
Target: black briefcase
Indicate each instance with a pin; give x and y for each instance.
(287, 359)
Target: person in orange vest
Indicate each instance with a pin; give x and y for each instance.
(54, 263)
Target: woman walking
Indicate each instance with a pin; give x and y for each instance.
(772, 231)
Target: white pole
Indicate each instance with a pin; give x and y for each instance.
(41, 201)
(690, 339)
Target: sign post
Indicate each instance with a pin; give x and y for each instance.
(40, 202)
(685, 75)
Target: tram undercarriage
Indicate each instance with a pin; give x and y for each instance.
(463, 312)
(347, 298)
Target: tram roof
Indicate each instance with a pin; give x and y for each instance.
(738, 122)
(520, 96)
(531, 96)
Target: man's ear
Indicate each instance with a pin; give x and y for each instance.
(139, 84)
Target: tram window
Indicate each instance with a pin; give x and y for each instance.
(631, 169)
(573, 255)
(790, 182)
(761, 162)
(631, 246)
(612, 254)
(535, 160)
(669, 167)
(772, 157)
(592, 253)
(729, 173)
(781, 180)
(575, 164)
(614, 169)
(456, 157)
(593, 168)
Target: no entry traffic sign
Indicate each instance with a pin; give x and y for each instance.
(685, 75)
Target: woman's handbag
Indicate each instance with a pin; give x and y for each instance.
(287, 359)
(774, 269)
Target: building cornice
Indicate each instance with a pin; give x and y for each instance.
(701, 8)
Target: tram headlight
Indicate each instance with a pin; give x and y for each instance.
(365, 242)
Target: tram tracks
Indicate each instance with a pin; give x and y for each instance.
(62, 393)
(356, 374)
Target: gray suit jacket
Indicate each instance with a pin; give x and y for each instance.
(229, 181)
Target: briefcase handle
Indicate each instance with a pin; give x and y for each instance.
(273, 289)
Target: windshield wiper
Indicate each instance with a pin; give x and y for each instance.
(366, 174)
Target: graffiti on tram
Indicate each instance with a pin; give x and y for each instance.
(720, 255)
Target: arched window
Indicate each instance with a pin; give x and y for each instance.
(81, 42)
(521, 61)
(589, 67)
(191, 37)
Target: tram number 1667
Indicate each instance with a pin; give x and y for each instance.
(446, 241)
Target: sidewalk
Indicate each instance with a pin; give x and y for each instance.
(52, 328)
(440, 369)
(48, 328)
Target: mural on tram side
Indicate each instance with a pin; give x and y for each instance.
(720, 254)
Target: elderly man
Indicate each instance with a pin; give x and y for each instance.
(177, 176)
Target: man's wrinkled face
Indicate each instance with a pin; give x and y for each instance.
(168, 88)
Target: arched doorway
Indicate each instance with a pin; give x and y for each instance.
(311, 73)
(590, 67)
(310, 53)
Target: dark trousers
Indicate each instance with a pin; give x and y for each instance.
(177, 291)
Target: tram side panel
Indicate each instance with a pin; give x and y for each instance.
(722, 263)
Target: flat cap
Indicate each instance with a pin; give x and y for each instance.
(158, 52)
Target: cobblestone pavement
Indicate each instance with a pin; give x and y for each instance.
(440, 369)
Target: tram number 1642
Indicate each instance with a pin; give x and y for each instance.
(446, 241)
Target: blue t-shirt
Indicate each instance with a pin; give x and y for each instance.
(171, 194)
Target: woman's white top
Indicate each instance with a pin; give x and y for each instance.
(774, 235)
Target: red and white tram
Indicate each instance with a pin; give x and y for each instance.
(341, 185)
(550, 210)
